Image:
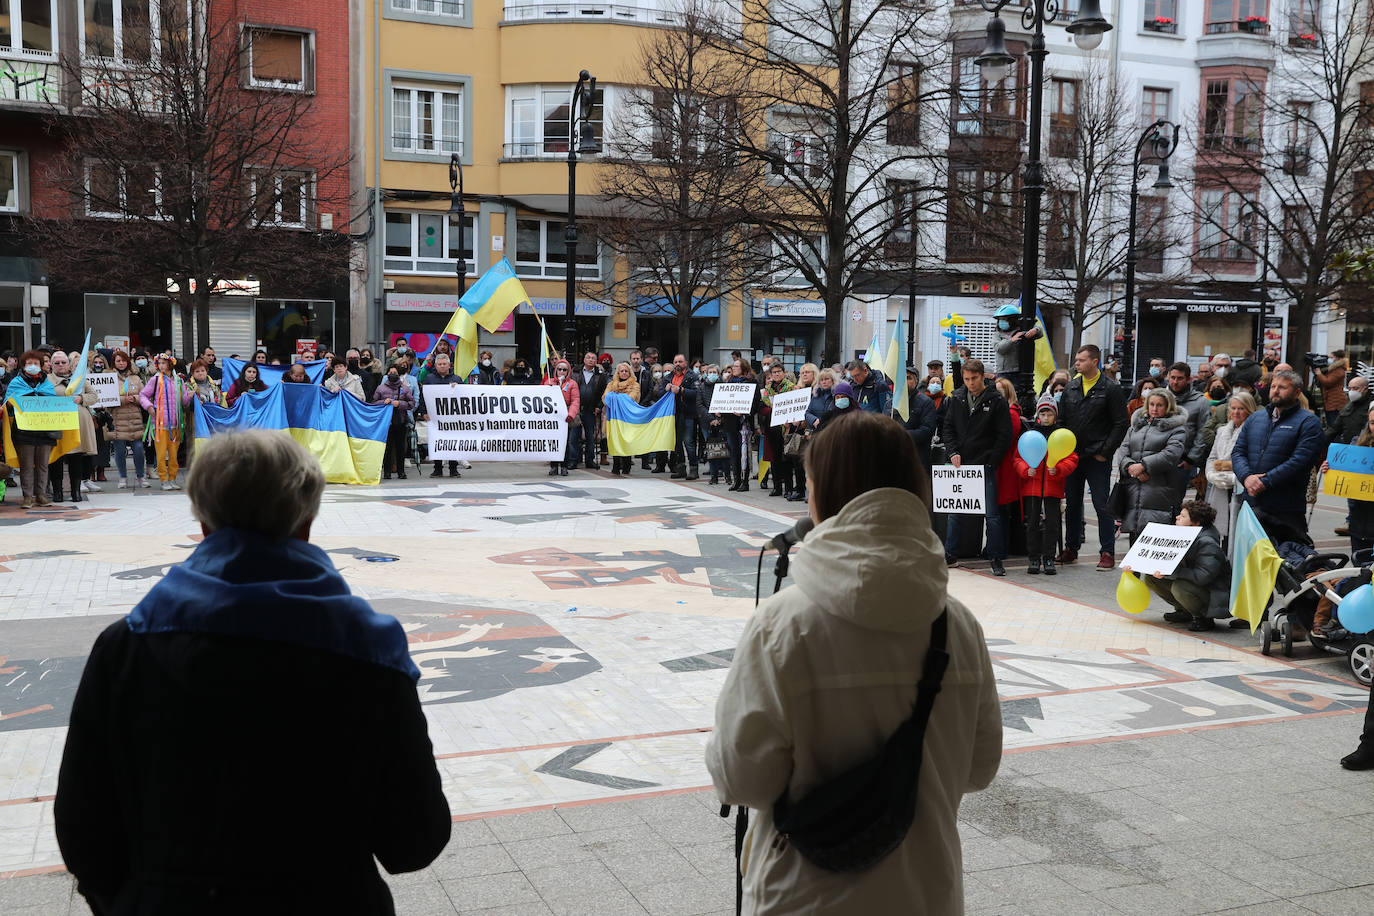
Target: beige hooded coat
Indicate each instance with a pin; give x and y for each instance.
(824, 673)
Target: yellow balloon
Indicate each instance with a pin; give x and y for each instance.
(1131, 594)
(1062, 443)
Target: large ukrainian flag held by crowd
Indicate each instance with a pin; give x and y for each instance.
(635, 430)
(346, 435)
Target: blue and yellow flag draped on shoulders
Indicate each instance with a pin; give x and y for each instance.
(39, 410)
(635, 430)
(346, 435)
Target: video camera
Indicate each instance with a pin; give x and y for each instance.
(1317, 360)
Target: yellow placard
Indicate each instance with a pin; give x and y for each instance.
(1349, 485)
(44, 414)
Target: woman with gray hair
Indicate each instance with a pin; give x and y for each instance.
(1149, 462)
(249, 738)
(1221, 477)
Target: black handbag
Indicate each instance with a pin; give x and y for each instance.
(716, 449)
(854, 821)
(1117, 500)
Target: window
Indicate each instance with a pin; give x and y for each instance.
(279, 59)
(1226, 230)
(124, 30)
(981, 110)
(1232, 114)
(453, 8)
(538, 124)
(1304, 17)
(795, 144)
(27, 25)
(427, 243)
(541, 250)
(123, 191)
(982, 224)
(1154, 105)
(905, 201)
(427, 120)
(1059, 233)
(1297, 153)
(1367, 104)
(1161, 16)
(1064, 118)
(1152, 212)
(9, 181)
(1238, 16)
(687, 125)
(282, 199)
(903, 106)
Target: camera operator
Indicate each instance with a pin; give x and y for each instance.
(1329, 373)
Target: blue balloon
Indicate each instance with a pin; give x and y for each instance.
(1032, 447)
(1356, 612)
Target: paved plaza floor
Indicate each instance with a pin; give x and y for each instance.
(573, 633)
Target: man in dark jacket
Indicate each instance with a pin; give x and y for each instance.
(1199, 590)
(249, 738)
(872, 392)
(682, 383)
(1093, 407)
(442, 375)
(1275, 451)
(1354, 415)
(977, 431)
(591, 385)
(921, 419)
(1193, 402)
(1246, 371)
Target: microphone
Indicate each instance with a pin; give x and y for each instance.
(790, 538)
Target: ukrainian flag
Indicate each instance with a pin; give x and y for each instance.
(896, 375)
(41, 413)
(1350, 472)
(1254, 567)
(347, 436)
(492, 298)
(1044, 353)
(635, 430)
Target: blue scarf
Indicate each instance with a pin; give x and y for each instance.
(237, 583)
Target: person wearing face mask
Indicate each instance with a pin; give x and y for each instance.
(104, 422)
(1350, 420)
(921, 417)
(1142, 388)
(1332, 383)
(1218, 395)
(1149, 463)
(1157, 368)
(521, 374)
(74, 463)
(622, 382)
(33, 446)
(1009, 339)
(739, 427)
(143, 366)
(842, 403)
(353, 361)
(487, 372)
(394, 392)
(712, 425)
(127, 435)
(567, 386)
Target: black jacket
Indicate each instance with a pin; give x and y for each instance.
(589, 394)
(1350, 421)
(1098, 419)
(645, 377)
(980, 435)
(920, 424)
(434, 378)
(688, 396)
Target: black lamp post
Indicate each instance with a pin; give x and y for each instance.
(1163, 144)
(581, 140)
(457, 213)
(1087, 29)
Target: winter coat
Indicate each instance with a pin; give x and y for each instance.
(514, 378)
(1050, 486)
(351, 383)
(589, 393)
(23, 386)
(1198, 408)
(645, 377)
(159, 398)
(1283, 452)
(822, 402)
(85, 423)
(1221, 484)
(1353, 418)
(240, 388)
(704, 415)
(920, 423)
(128, 416)
(1332, 384)
(1008, 484)
(401, 393)
(570, 395)
(433, 378)
(1217, 417)
(268, 667)
(1205, 565)
(825, 672)
(766, 393)
(1246, 372)
(978, 435)
(1158, 445)
(875, 394)
(628, 387)
(689, 395)
(207, 392)
(1098, 419)
(484, 376)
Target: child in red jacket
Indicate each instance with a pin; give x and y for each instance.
(1042, 489)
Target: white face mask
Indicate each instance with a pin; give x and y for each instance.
(658, 375)
(1356, 393)
(486, 364)
(1220, 372)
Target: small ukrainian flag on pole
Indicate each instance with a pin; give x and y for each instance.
(496, 294)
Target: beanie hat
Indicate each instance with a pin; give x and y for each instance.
(845, 390)
(1046, 402)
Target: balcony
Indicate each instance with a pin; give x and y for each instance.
(29, 78)
(1226, 143)
(1162, 24)
(1297, 159)
(998, 126)
(646, 12)
(1252, 25)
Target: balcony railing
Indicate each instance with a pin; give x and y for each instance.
(988, 125)
(1164, 24)
(30, 77)
(1226, 143)
(1257, 25)
(563, 10)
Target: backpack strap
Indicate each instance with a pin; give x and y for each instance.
(937, 660)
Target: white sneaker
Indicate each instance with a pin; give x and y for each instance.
(465, 465)
(122, 485)
(143, 483)
(166, 485)
(90, 486)
(174, 485)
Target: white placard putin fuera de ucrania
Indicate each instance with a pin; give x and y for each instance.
(790, 406)
(732, 397)
(1160, 548)
(958, 491)
(496, 423)
(106, 388)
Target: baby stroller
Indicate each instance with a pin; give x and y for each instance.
(1303, 580)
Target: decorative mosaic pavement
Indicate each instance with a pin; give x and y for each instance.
(572, 637)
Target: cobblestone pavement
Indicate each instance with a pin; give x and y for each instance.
(573, 634)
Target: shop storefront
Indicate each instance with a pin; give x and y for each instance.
(591, 326)
(656, 326)
(1196, 329)
(791, 329)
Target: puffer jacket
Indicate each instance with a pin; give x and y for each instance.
(1050, 486)
(1283, 452)
(1205, 565)
(128, 416)
(1354, 416)
(822, 402)
(571, 398)
(824, 673)
(1198, 408)
(400, 393)
(1157, 444)
(350, 383)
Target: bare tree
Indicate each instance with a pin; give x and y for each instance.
(845, 91)
(1285, 173)
(178, 174)
(673, 185)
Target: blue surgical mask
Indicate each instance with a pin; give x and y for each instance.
(842, 403)
(1003, 325)
(1156, 371)
(32, 369)
(933, 388)
(141, 363)
(1057, 396)
(712, 376)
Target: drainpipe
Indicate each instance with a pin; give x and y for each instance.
(379, 214)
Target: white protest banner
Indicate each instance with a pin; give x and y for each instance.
(790, 407)
(958, 491)
(1160, 548)
(496, 423)
(106, 388)
(732, 397)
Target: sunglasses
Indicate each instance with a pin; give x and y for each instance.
(561, 371)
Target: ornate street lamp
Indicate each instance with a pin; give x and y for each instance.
(456, 213)
(579, 130)
(1162, 142)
